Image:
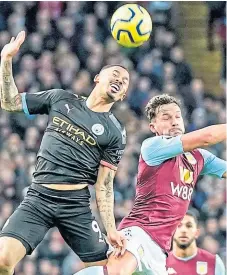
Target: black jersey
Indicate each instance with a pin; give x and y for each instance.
(76, 139)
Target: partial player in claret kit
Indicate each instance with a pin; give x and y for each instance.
(186, 258)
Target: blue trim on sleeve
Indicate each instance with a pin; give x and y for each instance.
(156, 150)
(25, 107)
(212, 164)
(24, 104)
(219, 266)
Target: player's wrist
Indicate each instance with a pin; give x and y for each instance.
(6, 57)
(110, 230)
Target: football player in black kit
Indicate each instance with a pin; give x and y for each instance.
(82, 145)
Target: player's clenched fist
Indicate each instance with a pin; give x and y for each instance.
(118, 241)
(11, 49)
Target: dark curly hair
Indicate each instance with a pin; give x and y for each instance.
(156, 102)
(194, 215)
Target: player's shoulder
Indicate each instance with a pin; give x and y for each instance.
(205, 154)
(61, 94)
(206, 254)
(170, 255)
(116, 123)
(116, 128)
(171, 259)
(154, 140)
(58, 93)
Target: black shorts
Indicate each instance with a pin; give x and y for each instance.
(69, 211)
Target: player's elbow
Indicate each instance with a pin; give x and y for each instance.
(209, 139)
(212, 134)
(6, 107)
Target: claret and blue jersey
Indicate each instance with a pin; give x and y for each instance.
(166, 178)
(202, 262)
(158, 149)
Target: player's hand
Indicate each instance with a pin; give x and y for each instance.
(11, 49)
(118, 241)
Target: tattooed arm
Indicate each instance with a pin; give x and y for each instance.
(10, 98)
(105, 203)
(105, 197)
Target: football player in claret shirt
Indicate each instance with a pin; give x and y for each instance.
(169, 166)
(82, 145)
(186, 258)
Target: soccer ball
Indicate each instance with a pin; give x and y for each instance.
(131, 25)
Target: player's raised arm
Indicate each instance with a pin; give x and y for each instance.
(166, 121)
(204, 137)
(10, 98)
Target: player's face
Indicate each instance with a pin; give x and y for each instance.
(113, 83)
(168, 121)
(186, 233)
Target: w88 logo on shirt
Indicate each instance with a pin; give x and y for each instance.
(183, 192)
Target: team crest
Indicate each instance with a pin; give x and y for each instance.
(190, 158)
(186, 176)
(97, 129)
(201, 268)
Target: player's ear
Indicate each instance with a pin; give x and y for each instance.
(123, 96)
(152, 127)
(197, 233)
(96, 79)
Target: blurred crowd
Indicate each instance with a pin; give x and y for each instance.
(67, 44)
(216, 25)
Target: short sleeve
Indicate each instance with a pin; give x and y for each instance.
(40, 102)
(219, 266)
(157, 149)
(212, 165)
(114, 152)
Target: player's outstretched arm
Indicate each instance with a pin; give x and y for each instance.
(10, 98)
(105, 202)
(204, 137)
(157, 149)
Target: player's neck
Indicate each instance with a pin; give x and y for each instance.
(185, 253)
(98, 104)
